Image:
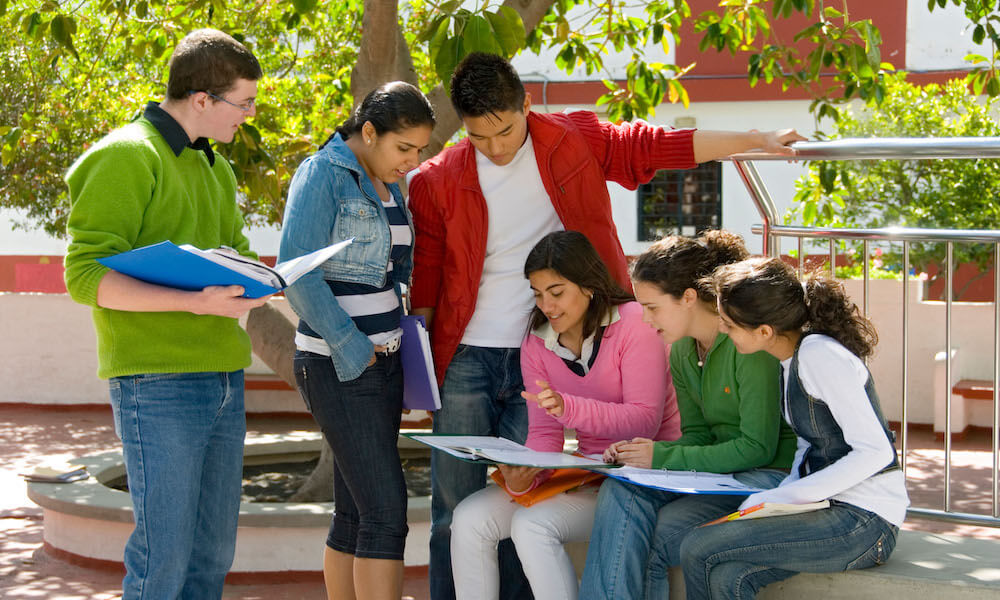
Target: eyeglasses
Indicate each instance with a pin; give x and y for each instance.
(244, 107)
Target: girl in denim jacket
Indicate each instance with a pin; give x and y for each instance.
(845, 448)
(346, 364)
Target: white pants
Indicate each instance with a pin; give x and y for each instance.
(485, 518)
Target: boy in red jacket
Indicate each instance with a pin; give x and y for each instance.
(478, 208)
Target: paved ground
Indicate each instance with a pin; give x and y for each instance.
(29, 436)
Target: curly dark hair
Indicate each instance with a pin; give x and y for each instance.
(677, 263)
(766, 291)
(571, 255)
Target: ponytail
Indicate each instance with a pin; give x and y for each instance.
(766, 291)
(392, 106)
(677, 263)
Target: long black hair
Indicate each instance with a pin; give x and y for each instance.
(572, 256)
(677, 263)
(766, 291)
(393, 106)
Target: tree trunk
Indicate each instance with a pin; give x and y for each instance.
(273, 339)
(382, 57)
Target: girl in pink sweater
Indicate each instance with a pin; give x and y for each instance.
(590, 364)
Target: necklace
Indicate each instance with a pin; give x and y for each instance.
(702, 351)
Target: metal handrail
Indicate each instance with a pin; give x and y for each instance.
(886, 149)
(896, 149)
(887, 234)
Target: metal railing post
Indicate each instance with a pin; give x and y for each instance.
(904, 418)
(902, 149)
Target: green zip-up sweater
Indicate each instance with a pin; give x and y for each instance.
(730, 414)
(131, 190)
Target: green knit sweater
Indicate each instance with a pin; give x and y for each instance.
(130, 190)
(730, 415)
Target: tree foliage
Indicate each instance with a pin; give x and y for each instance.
(984, 21)
(70, 72)
(947, 194)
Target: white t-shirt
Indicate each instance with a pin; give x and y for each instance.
(519, 214)
(830, 372)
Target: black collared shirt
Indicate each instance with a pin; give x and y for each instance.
(174, 134)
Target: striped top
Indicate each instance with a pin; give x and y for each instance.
(374, 310)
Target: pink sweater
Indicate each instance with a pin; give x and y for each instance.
(627, 393)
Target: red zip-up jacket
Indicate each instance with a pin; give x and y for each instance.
(576, 154)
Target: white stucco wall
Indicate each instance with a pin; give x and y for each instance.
(939, 39)
(48, 351)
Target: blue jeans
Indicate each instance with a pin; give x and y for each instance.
(360, 420)
(481, 395)
(737, 559)
(182, 438)
(638, 532)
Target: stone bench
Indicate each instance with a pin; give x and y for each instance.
(924, 566)
(971, 398)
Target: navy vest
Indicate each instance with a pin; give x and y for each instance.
(812, 421)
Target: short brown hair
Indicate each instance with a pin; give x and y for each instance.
(208, 60)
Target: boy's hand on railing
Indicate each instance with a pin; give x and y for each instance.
(777, 141)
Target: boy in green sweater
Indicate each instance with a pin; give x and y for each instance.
(174, 358)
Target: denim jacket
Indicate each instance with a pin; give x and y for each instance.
(812, 421)
(331, 199)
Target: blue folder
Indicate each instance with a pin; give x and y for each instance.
(420, 391)
(168, 265)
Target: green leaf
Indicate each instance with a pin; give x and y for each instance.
(827, 177)
(872, 41)
(304, 6)
(438, 38)
(517, 25)
(428, 33)
(62, 29)
(31, 23)
(809, 212)
(506, 31)
(3, 7)
(993, 87)
(447, 59)
(478, 37)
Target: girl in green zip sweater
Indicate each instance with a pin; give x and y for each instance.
(730, 423)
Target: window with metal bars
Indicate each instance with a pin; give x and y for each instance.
(685, 202)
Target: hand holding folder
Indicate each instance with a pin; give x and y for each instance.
(188, 268)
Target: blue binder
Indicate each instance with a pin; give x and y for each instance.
(168, 265)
